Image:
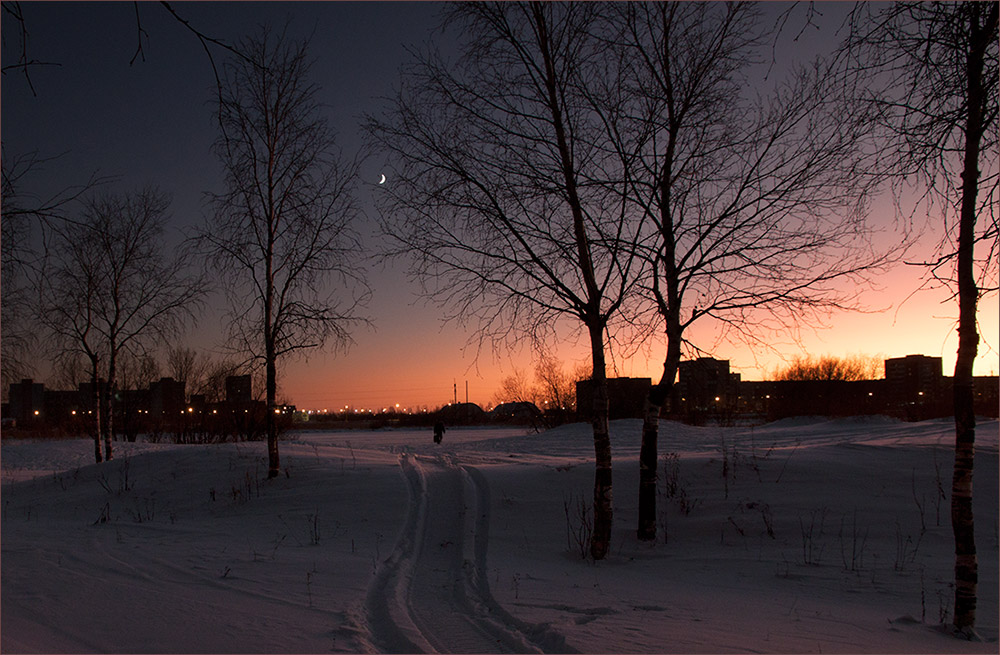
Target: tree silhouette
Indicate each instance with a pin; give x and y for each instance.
(751, 188)
(930, 69)
(109, 289)
(281, 233)
(494, 195)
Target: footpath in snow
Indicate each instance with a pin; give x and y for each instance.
(432, 594)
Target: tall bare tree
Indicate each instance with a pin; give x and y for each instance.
(931, 69)
(281, 233)
(110, 289)
(493, 196)
(69, 300)
(756, 221)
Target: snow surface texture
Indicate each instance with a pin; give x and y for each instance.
(806, 535)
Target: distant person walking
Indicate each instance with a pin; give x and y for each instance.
(438, 432)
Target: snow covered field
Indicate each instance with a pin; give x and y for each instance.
(806, 535)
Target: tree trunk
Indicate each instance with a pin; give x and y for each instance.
(97, 409)
(648, 451)
(107, 412)
(270, 378)
(273, 462)
(600, 540)
(648, 462)
(966, 565)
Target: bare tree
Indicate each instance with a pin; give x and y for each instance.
(213, 382)
(69, 295)
(931, 71)
(516, 388)
(553, 391)
(281, 234)
(492, 192)
(69, 370)
(110, 290)
(557, 387)
(187, 367)
(756, 221)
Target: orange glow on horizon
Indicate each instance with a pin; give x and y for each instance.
(417, 364)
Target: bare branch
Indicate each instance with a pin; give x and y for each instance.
(282, 233)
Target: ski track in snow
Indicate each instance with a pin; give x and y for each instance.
(431, 594)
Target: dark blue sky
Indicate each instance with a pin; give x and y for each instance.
(152, 123)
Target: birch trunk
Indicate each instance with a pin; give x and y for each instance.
(600, 541)
(966, 564)
(271, 381)
(97, 409)
(648, 450)
(107, 412)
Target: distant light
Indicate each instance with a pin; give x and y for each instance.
(277, 411)
(215, 411)
(190, 410)
(36, 412)
(870, 393)
(73, 412)
(717, 399)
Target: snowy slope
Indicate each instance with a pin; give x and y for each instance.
(823, 536)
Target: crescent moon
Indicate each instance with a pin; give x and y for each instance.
(382, 181)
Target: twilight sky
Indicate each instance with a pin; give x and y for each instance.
(151, 122)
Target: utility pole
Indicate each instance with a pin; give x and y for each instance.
(466, 392)
(454, 384)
